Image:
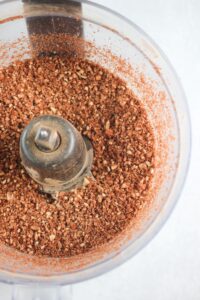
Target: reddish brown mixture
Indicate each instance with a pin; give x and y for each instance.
(100, 106)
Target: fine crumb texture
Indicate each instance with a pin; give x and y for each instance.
(102, 108)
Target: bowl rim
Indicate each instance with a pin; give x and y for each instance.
(106, 265)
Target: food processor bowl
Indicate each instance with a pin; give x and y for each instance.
(107, 38)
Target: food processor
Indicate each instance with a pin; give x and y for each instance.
(104, 37)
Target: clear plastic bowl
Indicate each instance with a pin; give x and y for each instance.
(149, 74)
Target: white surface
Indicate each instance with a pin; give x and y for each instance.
(169, 267)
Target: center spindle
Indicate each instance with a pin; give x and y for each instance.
(55, 154)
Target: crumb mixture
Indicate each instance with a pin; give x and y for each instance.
(101, 107)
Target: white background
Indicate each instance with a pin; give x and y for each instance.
(169, 267)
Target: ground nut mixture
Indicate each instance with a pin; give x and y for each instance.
(101, 107)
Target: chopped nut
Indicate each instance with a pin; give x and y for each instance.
(107, 126)
(9, 196)
(48, 214)
(53, 109)
(114, 167)
(52, 237)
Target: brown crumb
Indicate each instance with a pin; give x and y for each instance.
(102, 108)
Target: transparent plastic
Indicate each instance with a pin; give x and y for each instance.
(114, 34)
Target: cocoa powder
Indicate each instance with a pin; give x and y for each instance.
(101, 107)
